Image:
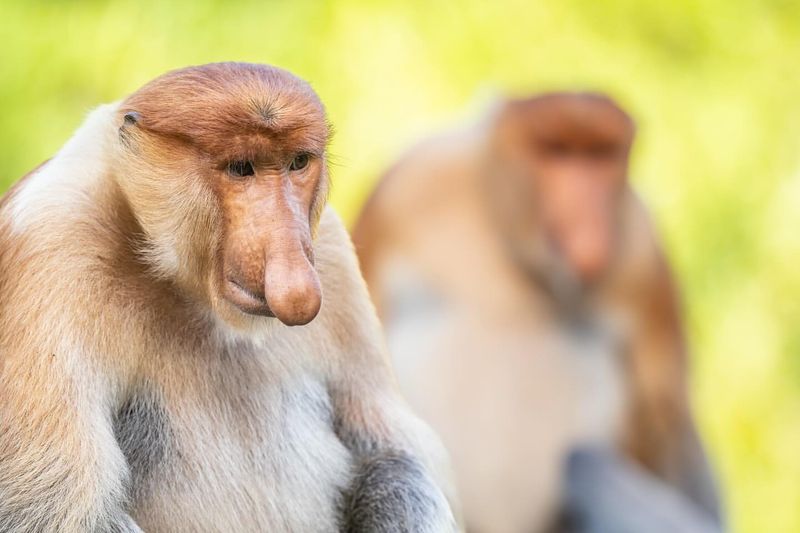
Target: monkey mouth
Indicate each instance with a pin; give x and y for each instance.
(246, 300)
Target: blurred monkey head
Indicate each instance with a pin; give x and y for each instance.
(560, 166)
(224, 167)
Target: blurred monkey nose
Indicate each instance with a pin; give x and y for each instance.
(588, 252)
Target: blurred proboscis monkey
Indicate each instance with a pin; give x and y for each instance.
(530, 310)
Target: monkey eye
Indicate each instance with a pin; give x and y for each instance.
(240, 169)
(556, 148)
(299, 162)
(602, 151)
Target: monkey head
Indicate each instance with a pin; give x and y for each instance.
(224, 169)
(557, 176)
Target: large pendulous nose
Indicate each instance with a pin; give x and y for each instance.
(291, 284)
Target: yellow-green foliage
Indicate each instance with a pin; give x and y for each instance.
(714, 85)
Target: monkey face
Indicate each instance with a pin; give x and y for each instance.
(561, 174)
(267, 262)
(228, 179)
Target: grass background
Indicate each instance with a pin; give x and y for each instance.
(714, 85)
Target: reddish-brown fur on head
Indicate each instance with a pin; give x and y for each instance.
(561, 168)
(226, 171)
(228, 110)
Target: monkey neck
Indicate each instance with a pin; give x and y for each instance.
(70, 228)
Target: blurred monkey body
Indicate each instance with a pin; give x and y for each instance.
(149, 379)
(528, 307)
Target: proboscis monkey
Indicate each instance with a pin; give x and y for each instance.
(529, 307)
(149, 275)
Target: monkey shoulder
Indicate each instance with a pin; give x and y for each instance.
(438, 167)
(338, 267)
(641, 248)
(347, 319)
(333, 252)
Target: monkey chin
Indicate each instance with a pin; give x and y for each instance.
(244, 309)
(245, 300)
(237, 313)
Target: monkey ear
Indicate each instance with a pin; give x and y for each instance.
(131, 118)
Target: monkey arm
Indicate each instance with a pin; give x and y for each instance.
(400, 480)
(607, 494)
(661, 432)
(396, 487)
(400, 483)
(124, 524)
(60, 466)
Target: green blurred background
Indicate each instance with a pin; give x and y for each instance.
(714, 85)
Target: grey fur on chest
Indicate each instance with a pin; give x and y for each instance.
(143, 432)
(262, 456)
